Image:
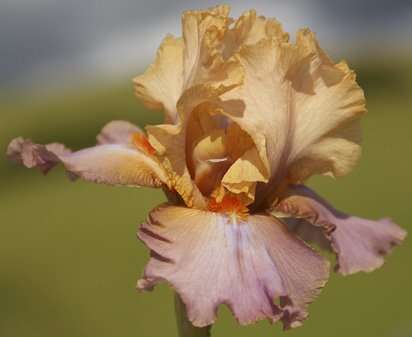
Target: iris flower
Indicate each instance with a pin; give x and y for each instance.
(249, 117)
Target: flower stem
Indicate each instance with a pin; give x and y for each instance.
(185, 328)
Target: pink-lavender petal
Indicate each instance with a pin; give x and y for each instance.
(360, 244)
(117, 132)
(211, 259)
(111, 164)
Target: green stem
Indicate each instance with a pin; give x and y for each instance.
(185, 328)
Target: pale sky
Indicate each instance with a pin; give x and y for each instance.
(49, 40)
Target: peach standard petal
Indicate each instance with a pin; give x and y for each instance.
(226, 156)
(161, 85)
(250, 29)
(183, 63)
(209, 70)
(203, 32)
(170, 140)
(299, 107)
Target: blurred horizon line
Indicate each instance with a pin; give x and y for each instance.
(73, 78)
(49, 45)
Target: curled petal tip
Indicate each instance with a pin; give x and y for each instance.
(111, 164)
(144, 284)
(45, 157)
(15, 150)
(360, 244)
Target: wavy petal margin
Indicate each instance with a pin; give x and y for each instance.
(360, 244)
(299, 107)
(111, 164)
(182, 63)
(211, 259)
(162, 84)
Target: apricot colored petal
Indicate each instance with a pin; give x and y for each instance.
(298, 107)
(161, 85)
(229, 154)
(111, 164)
(221, 77)
(328, 96)
(170, 140)
(202, 33)
(210, 258)
(244, 173)
(330, 155)
(207, 76)
(117, 132)
(360, 244)
(209, 160)
(249, 29)
(116, 164)
(169, 144)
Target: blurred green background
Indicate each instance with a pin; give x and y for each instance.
(69, 257)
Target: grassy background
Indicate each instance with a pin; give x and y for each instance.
(69, 257)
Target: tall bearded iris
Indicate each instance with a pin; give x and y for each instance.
(248, 118)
